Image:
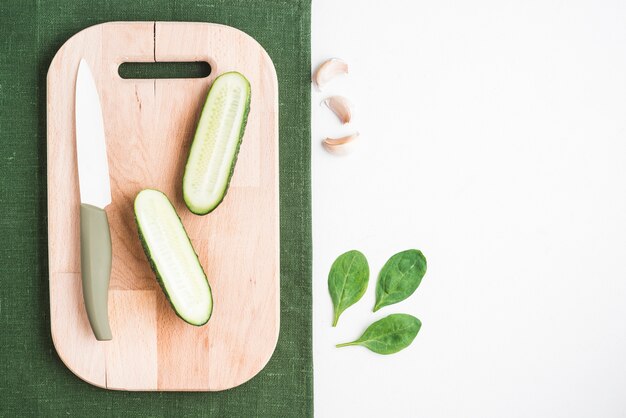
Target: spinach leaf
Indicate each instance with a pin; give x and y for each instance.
(389, 335)
(347, 281)
(399, 278)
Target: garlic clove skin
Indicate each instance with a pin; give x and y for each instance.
(339, 145)
(340, 107)
(341, 141)
(329, 70)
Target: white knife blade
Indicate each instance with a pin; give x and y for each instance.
(93, 165)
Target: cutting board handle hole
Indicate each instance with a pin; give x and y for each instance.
(152, 70)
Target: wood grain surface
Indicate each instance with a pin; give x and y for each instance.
(149, 125)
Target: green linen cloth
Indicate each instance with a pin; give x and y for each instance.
(33, 380)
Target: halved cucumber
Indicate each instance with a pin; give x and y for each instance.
(216, 143)
(172, 257)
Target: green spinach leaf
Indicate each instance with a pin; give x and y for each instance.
(347, 281)
(399, 277)
(389, 335)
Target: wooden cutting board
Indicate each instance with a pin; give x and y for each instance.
(149, 125)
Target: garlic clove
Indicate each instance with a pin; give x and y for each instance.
(341, 141)
(329, 70)
(340, 107)
(332, 144)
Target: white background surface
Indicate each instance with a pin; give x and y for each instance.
(493, 138)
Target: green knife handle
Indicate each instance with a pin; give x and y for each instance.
(95, 264)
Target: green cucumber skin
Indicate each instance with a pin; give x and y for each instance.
(146, 250)
(234, 162)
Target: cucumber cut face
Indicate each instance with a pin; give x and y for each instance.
(216, 143)
(172, 257)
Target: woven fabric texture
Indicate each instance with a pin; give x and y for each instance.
(33, 380)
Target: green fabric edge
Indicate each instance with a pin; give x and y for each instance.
(33, 380)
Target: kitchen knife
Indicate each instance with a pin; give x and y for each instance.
(95, 195)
